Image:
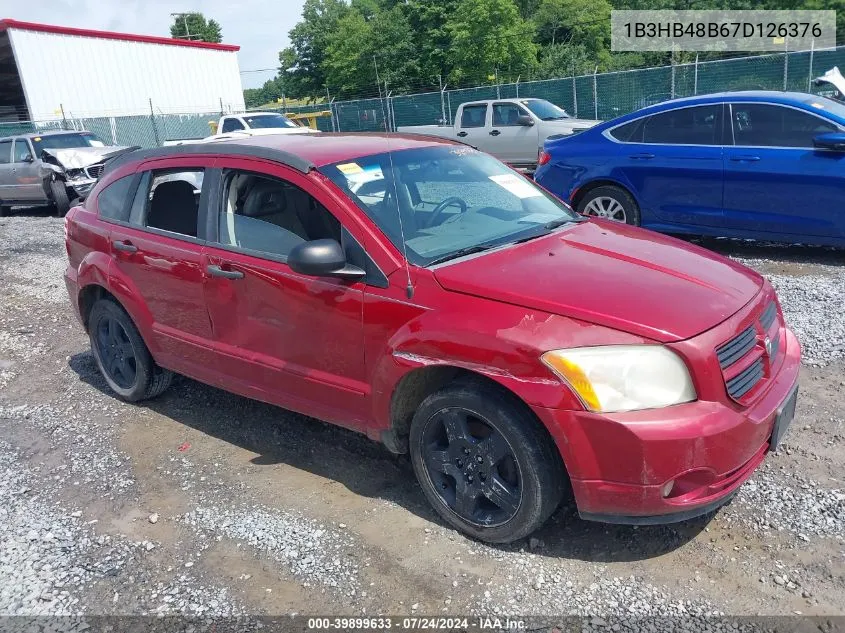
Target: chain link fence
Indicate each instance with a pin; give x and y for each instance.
(599, 96)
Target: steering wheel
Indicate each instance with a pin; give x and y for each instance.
(444, 204)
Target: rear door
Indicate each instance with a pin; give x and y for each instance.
(29, 186)
(776, 182)
(292, 340)
(510, 141)
(473, 126)
(673, 161)
(158, 251)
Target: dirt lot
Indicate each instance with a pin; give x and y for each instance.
(202, 502)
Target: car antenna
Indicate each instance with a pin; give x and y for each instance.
(409, 289)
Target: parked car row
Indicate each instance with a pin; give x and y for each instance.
(422, 292)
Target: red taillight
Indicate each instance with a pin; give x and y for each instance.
(544, 158)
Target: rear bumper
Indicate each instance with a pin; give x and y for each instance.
(620, 465)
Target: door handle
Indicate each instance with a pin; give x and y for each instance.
(744, 159)
(462, 134)
(216, 271)
(494, 132)
(126, 247)
(643, 156)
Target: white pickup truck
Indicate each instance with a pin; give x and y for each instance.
(247, 124)
(512, 130)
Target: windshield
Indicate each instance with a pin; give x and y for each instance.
(447, 200)
(545, 110)
(268, 120)
(836, 108)
(65, 141)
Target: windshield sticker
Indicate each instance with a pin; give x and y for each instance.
(516, 185)
(820, 106)
(350, 168)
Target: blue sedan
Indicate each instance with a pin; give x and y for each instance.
(761, 165)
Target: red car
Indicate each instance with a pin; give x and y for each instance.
(425, 294)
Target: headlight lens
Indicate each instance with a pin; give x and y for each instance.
(623, 377)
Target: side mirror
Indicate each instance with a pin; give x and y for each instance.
(28, 158)
(322, 258)
(831, 140)
(524, 119)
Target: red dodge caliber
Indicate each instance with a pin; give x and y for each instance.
(423, 293)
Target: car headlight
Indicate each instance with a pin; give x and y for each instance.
(623, 377)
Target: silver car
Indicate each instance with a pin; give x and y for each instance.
(51, 168)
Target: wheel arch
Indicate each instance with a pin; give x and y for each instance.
(586, 188)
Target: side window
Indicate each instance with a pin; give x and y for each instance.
(764, 125)
(21, 153)
(113, 201)
(5, 152)
(505, 114)
(231, 125)
(173, 201)
(631, 132)
(700, 125)
(474, 115)
(271, 216)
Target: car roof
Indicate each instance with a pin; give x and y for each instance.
(300, 151)
(773, 96)
(43, 134)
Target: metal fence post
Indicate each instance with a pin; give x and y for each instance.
(810, 72)
(153, 122)
(785, 63)
(672, 91)
(595, 93)
(449, 104)
(695, 79)
(574, 98)
(64, 118)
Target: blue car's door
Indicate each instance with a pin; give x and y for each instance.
(775, 181)
(673, 161)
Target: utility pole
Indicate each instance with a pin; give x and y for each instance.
(184, 17)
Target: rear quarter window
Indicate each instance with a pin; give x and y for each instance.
(631, 132)
(113, 201)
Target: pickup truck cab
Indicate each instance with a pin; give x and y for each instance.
(512, 130)
(232, 126)
(522, 354)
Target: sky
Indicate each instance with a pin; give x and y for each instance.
(259, 27)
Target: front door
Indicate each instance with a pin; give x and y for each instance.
(159, 252)
(511, 142)
(29, 184)
(292, 340)
(776, 182)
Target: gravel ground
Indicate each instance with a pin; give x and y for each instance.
(204, 503)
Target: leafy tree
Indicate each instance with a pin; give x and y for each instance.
(565, 60)
(490, 35)
(194, 26)
(582, 22)
(309, 41)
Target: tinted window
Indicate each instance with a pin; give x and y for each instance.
(546, 111)
(5, 152)
(762, 125)
(21, 151)
(505, 114)
(173, 201)
(113, 201)
(474, 116)
(686, 126)
(631, 132)
(271, 216)
(231, 125)
(65, 141)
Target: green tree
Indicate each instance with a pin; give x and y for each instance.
(582, 22)
(309, 40)
(490, 36)
(565, 60)
(194, 26)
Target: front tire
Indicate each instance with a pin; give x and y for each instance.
(4, 211)
(484, 463)
(58, 193)
(611, 203)
(122, 356)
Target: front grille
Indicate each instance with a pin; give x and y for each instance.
(737, 347)
(746, 350)
(744, 381)
(94, 171)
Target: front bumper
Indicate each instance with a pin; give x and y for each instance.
(621, 464)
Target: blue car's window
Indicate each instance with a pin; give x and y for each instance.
(766, 125)
(631, 132)
(436, 202)
(699, 125)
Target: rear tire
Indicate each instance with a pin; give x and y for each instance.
(484, 463)
(4, 211)
(611, 203)
(122, 356)
(58, 193)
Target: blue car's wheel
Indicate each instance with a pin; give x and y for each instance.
(610, 203)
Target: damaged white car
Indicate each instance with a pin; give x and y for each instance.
(51, 168)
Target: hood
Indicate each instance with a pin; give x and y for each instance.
(613, 275)
(565, 125)
(79, 157)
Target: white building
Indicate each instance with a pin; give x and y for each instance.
(50, 72)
